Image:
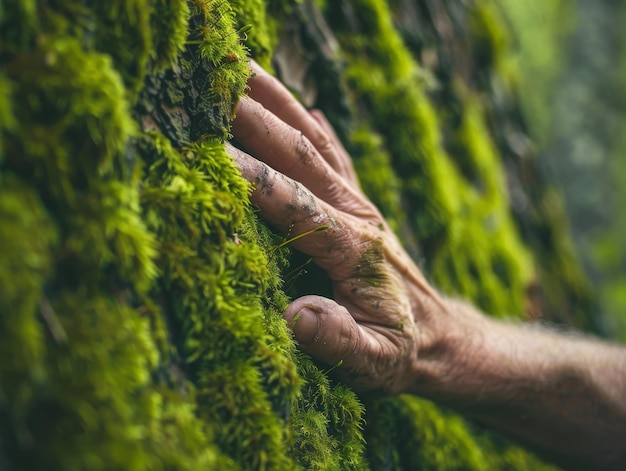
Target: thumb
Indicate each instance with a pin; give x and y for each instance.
(324, 329)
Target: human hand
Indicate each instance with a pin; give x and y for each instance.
(384, 314)
(389, 329)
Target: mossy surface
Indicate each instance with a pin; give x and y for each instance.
(141, 295)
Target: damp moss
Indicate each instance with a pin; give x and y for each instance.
(491, 37)
(27, 238)
(217, 277)
(18, 23)
(72, 103)
(412, 433)
(169, 27)
(328, 422)
(92, 382)
(262, 34)
(455, 203)
(217, 85)
(376, 175)
(214, 275)
(6, 113)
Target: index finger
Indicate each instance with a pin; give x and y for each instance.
(288, 150)
(317, 228)
(274, 96)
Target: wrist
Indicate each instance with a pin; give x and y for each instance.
(451, 349)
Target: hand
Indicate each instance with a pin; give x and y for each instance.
(384, 312)
(390, 330)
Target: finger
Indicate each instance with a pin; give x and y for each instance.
(274, 96)
(326, 331)
(290, 152)
(346, 169)
(316, 228)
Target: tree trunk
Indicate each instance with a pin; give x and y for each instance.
(140, 294)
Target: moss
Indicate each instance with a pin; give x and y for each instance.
(457, 206)
(263, 33)
(18, 23)
(377, 177)
(90, 383)
(72, 104)
(27, 237)
(411, 433)
(491, 36)
(142, 296)
(169, 26)
(6, 113)
(327, 424)
(195, 203)
(218, 86)
(95, 408)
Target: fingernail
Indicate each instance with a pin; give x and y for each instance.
(305, 325)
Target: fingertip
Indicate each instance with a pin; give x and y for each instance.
(254, 66)
(304, 324)
(317, 114)
(323, 329)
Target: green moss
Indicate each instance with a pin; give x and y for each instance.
(90, 384)
(491, 36)
(169, 26)
(195, 203)
(127, 23)
(73, 115)
(27, 237)
(376, 175)
(411, 433)
(327, 424)
(219, 84)
(6, 113)
(456, 205)
(263, 34)
(18, 23)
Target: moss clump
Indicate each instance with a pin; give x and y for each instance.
(214, 74)
(27, 238)
(6, 113)
(491, 39)
(215, 278)
(74, 104)
(18, 24)
(262, 34)
(327, 423)
(411, 433)
(376, 175)
(169, 27)
(89, 383)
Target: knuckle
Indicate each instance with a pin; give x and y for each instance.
(303, 148)
(324, 143)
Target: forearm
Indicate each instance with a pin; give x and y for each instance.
(562, 396)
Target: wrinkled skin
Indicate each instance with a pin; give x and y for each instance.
(390, 331)
(304, 181)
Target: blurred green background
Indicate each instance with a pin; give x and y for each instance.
(571, 63)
